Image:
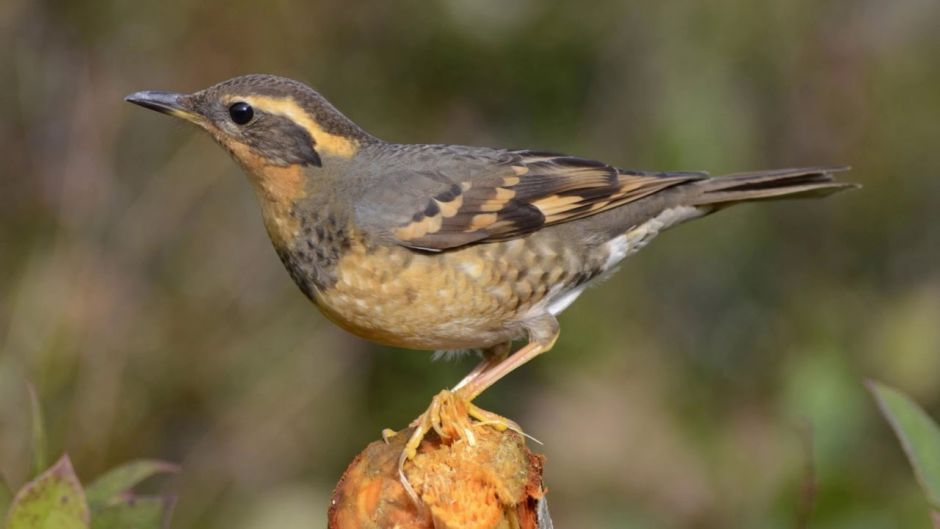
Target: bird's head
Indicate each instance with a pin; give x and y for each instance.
(288, 138)
(265, 121)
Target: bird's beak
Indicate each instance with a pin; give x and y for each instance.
(170, 103)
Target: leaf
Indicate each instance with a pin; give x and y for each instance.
(108, 488)
(919, 435)
(54, 500)
(38, 445)
(135, 513)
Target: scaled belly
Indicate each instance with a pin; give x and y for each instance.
(469, 298)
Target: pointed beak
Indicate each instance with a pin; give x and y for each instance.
(170, 103)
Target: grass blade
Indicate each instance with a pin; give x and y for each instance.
(6, 497)
(38, 445)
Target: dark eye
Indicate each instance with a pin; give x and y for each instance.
(241, 112)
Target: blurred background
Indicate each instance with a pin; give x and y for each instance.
(701, 387)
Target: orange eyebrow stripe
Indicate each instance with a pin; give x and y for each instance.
(326, 143)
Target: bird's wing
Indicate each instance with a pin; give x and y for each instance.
(455, 201)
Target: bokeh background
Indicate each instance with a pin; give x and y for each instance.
(702, 387)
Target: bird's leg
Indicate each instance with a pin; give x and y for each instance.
(491, 357)
(451, 412)
(432, 418)
(542, 335)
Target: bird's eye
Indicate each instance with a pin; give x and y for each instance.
(241, 112)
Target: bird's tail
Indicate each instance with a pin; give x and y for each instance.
(767, 185)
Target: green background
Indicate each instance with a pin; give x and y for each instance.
(139, 293)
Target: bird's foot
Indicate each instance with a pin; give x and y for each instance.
(452, 417)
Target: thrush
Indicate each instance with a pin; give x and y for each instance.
(447, 247)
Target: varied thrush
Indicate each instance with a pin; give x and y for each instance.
(447, 247)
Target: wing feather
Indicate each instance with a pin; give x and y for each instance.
(521, 193)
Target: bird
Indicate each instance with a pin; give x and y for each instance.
(447, 247)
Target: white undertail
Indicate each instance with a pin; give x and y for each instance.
(622, 246)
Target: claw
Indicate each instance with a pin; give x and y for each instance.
(451, 414)
(387, 434)
(489, 418)
(451, 417)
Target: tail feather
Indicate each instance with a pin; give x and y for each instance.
(769, 185)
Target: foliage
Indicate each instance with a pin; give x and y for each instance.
(919, 435)
(55, 498)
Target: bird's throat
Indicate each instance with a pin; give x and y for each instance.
(279, 190)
